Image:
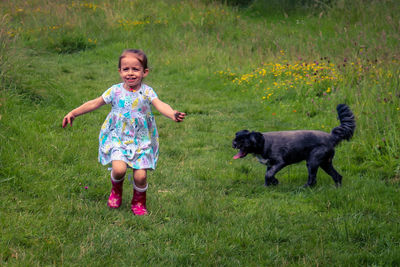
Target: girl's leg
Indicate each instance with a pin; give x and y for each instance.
(118, 169)
(139, 192)
(140, 178)
(117, 179)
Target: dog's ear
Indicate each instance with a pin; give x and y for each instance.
(256, 138)
(242, 132)
(253, 137)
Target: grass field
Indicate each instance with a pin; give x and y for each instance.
(260, 66)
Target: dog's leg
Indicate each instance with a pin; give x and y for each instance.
(317, 156)
(270, 174)
(328, 168)
(312, 167)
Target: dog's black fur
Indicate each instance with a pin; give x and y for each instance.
(279, 149)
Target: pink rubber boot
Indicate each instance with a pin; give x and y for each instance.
(138, 206)
(115, 199)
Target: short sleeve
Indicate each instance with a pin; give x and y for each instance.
(150, 94)
(108, 95)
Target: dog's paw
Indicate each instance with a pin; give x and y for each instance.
(272, 181)
(310, 185)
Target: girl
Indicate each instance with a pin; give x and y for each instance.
(129, 137)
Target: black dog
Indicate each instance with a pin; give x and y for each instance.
(279, 149)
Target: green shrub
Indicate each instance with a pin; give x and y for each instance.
(70, 43)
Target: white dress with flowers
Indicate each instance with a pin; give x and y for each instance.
(129, 132)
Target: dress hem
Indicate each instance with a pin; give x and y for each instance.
(129, 166)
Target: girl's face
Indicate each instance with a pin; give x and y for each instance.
(132, 72)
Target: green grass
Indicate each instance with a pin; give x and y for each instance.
(205, 208)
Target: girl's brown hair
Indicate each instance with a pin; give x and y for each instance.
(140, 55)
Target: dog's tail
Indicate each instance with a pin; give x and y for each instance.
(347, 124)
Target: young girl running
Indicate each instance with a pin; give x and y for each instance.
(129, 137)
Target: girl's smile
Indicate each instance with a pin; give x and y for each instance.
(132, 72)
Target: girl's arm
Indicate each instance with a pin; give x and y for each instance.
(84, 108)
(167, 111)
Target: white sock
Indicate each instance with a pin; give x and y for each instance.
(141, 190)
(115, 180)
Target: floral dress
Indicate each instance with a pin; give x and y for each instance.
(129, 132)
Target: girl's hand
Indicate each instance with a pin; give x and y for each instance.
(179, 116)
(167, 111)
(85, 108)
(68, 119)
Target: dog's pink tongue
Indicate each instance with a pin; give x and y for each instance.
(238, 155)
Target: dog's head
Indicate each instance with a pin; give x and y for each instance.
(247, 142)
